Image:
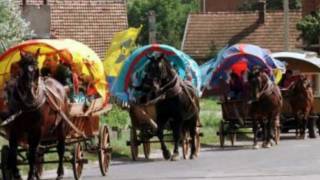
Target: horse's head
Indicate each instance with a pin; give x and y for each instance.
(28, 66)
(158, 72)
(301, 85)
(258, 80)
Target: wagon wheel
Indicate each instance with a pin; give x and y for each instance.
(134, 144)
(197, 141)
(185, 145)
(39, 165)
(104, 150)
(146, 148)
(6, 173)
(221, 134)
(77, 163)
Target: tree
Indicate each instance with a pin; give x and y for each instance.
(310, 28)
(171, 17)
(12, 27)
(271, 5)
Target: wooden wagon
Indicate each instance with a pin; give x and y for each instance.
(84, 130)
(308, 64)
(143, 129)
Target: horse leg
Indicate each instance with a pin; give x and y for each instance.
(193, 131)
(61, 150)
(165, 152)
(32, 153)
(267, 133)
(277, 129)
(12, 163)
(310, 125)
(255, 130)
(176, 131)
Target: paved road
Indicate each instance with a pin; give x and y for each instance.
(292, 159)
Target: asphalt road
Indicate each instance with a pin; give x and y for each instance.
(292, 159)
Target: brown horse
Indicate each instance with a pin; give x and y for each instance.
(35, 120)
(265, 108)
(300, 98)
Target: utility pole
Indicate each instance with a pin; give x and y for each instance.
(286, 24)
(152, 27)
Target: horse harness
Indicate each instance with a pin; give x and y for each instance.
(42, 94)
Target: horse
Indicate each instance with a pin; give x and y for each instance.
(33, 117)
(175, 101)
(300, 98)
(265, 107)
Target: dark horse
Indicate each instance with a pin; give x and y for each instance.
(175, 103)
(300, 97)
(265, 108)
(30, 105)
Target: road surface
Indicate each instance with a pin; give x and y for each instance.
(292, 159)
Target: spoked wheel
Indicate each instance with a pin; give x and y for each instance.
(197, 141)
(104, 150)
(134, 144)
(146, 148)
(77, 163)
(39, 166)
(185, 145)
(6, 173)
(221, 134)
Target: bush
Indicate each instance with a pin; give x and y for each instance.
(13, 28)
(310, 28)
(117, 118)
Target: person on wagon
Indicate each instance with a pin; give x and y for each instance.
(287, 79)
(236, 86)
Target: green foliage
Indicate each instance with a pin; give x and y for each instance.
(117, 118)
(12, 27)
(310, 28)
(171, 17)
(271, 5)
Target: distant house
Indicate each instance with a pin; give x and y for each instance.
(207, 32)
(93, 22)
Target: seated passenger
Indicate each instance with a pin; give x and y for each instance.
(286, 80)
(236, 86)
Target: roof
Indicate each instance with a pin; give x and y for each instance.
(93, 22)
(307, 57)
(206, 32)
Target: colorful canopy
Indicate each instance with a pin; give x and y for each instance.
(238, 58)
(134, 65)
(83, 59)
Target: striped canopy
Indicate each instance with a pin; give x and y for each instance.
(133, 68)
(238, 58)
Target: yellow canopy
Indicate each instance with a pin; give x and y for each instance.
(83, 60)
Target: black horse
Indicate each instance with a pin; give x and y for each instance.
(175, 100)
(34, 119)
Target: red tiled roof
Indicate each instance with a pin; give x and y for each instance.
(223, 28)
(93, 22)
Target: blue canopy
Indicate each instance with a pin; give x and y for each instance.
(252, 55)
(133, 68)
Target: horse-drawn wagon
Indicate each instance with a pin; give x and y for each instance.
(232, 77)
(42, 114)
(135, 85)
(300, 91)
